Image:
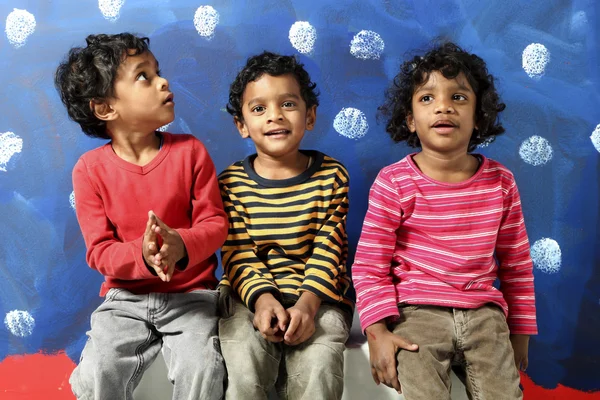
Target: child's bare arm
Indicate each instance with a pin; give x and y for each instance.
(383, 347)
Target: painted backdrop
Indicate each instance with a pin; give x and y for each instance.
(545, 55)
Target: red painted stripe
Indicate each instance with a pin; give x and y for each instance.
(36, 377)
(531, 391)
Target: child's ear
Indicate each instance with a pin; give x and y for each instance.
(102, 110)
(241, 127)
(410, 122)
(311, 118)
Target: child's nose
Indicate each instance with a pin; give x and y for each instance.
(444, 107)
(274, 114)
(163, 83)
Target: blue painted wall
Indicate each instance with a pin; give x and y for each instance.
(47, 292)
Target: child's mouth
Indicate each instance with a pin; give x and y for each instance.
(169, 99)
(444, 124)
(444, 127)
(277, 133)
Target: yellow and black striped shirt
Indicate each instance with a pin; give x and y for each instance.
(287, 236)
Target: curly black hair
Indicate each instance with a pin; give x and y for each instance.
(450, 60)
(274, 65)
(88, 73)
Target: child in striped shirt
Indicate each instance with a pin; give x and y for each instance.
(442, 225)
(285, 312)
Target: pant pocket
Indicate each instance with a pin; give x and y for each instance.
(219, 378)
(225, 302)
(112, 294)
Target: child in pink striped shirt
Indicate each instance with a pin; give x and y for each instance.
(442, 225)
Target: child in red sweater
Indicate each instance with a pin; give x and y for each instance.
(151, 215)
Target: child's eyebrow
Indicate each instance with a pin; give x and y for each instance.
(430, 87)
(425, 88)
(143, 64)
(281, 96)
(463, 87)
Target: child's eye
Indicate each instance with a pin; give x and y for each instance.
(459, 97)
(258, 109)
(427, 98)
(288, 104)
(142, 77)
(158, 72)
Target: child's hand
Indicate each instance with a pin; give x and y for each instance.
(270, 318)
(150, 248)
(383, 347)
(172, 249)
(520, 344)
(302, 319)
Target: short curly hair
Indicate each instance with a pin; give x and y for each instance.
(450, 60)
(274, 65)
(89, 73)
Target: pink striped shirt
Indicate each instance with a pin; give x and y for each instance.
(430, 242)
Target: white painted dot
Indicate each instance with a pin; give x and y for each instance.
(206, 20)
(351, 123)
(367, 45)
(165, 127)
(110, 9)
(19, 25)
(595, 138)
(536, 151)
(535, 59)
(19, 323)
(303, 37)
(486, 142)
(72, 200)
(10, 144)
(546, 255)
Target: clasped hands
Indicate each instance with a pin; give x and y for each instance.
(162, 257)
(291, 326)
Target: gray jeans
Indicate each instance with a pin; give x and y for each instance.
(476, 339)
(309, 371)
(129, 330)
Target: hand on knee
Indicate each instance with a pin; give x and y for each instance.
(383, 347)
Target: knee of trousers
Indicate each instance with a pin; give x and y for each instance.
(241, 343)
(90, 375)
(249, 354)
(316, 360)
(204, 360)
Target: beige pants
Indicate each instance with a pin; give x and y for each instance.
(477, 339)
(312, 370)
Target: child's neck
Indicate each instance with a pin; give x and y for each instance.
(138, 149)
(447, 168)
(285, 167)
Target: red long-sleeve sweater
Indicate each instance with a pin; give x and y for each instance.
(429, 242)
(112, 200)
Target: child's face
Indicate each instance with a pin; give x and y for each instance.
(142, 101)
(275, 115)
(443, 114)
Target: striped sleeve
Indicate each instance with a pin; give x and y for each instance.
(371, 271)
(246, 273)
(326, 266)
(516, 267)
